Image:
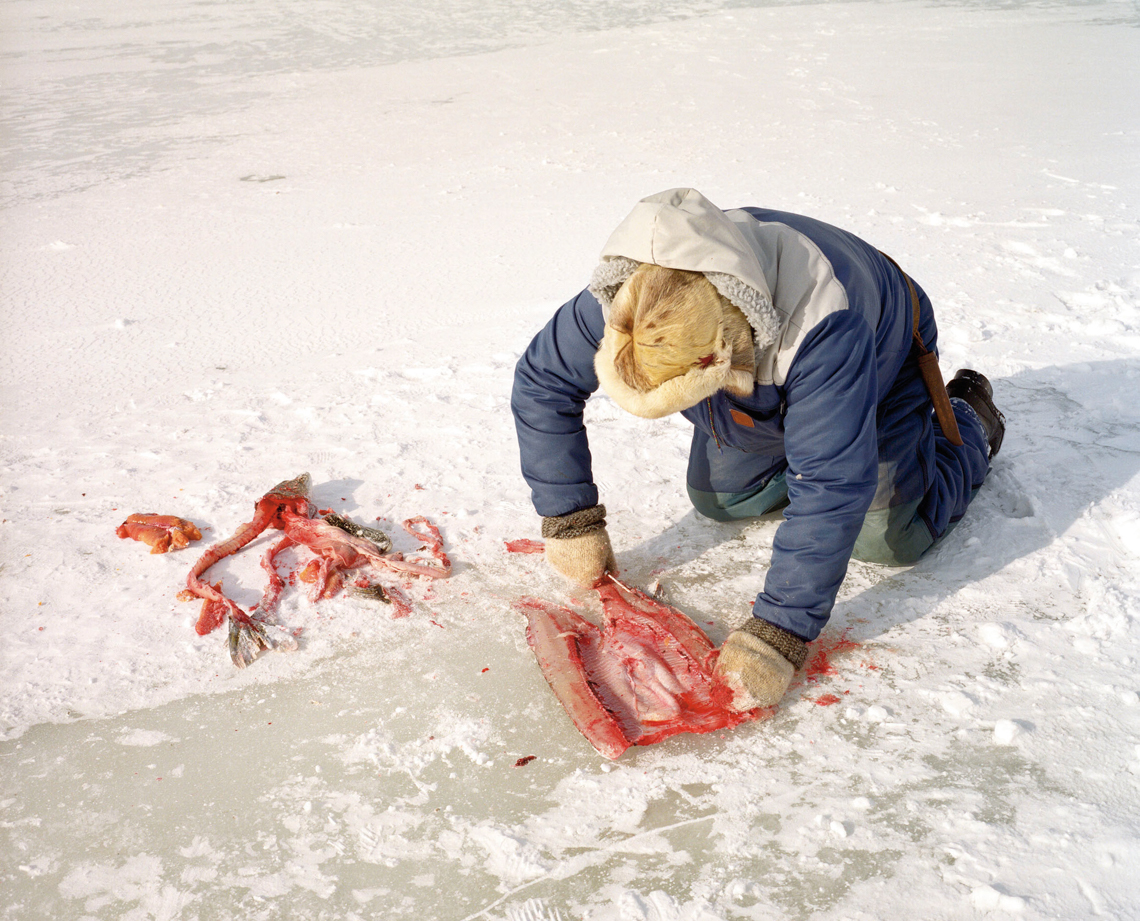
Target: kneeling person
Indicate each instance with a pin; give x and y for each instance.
(791, 346)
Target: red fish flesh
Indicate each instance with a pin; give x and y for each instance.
(247, 636)
(646, 674)
(159, 532)
(525, 545)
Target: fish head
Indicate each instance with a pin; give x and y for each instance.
(289, 495)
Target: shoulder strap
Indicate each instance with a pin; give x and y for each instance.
(928, 366)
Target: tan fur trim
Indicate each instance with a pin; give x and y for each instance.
(739, 336)
(675, 394)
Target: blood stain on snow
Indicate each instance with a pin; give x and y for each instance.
(827, 700)
(820, 663)
(523, 762)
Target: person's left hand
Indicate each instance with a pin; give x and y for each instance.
(578, 545)
(584, 559)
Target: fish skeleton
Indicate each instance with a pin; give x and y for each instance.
(340, 546)
(646, 674)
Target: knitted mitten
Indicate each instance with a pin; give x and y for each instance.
(578, 546)
(757, 662)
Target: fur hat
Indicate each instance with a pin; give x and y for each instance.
(670, 341)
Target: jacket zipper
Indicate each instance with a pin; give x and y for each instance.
(712, 424)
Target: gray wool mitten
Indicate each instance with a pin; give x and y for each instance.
(757, 662)
(578, 545)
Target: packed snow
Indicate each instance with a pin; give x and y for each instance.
(246, 241)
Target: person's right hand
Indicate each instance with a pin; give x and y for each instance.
(578, 545)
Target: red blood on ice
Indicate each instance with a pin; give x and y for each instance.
(825, 647)
(645, 675)
(827, 700)
(523, 762)
(401, 606)
(525, 545)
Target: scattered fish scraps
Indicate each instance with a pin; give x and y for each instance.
(525, 545)
(645, 675)
(161, 533)
(340, 546)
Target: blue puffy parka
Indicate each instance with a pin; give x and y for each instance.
(838, 406)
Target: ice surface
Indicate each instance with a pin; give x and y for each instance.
(246, 239)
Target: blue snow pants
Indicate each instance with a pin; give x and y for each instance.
(909, 513)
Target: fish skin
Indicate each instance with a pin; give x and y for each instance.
(557, 636)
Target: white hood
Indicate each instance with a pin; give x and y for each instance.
(681, 229)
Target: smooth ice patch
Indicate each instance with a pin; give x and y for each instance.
(144, 738)
(510, 857)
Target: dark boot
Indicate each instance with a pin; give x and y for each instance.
(973, 387)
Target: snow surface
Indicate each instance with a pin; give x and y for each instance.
(245, 240)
